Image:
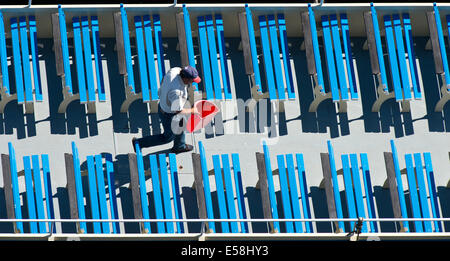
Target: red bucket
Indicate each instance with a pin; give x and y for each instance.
(206, 112)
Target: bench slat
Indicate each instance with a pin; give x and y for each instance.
(432, 190)
(379, 48)
(93, 196)
(348, 189)
(271, 187)
(315, 44)
(285, 193)
(357, 188)
(101, 192)
(213, 57)
(189, 43)
(127, 48)
(159, 46)
(440, 34)
(203, 43)
(79, 62)
(166, 192)
(35, 58)
(25, 59)
(220, 193)
(206, 187)
(401, 57)
(48, 189)
(335, 184)
(239, 191)
(286, 56)
(414, 199)
(278, 74)
(98, 59)
(38, 192)
(17, 61)
(390, 43)
(65, 50)
(3, 56)
(411, 56)
(88, 58)
(30, 194)
(348, 57)
(229, 192)
(223, 57)
(422, 191)
(150, 58)
(294, 192)
(338, 56)
(176, 191)
(267, 59)
(328, 46)
(368, 191)
(252, 40)
(78, 187)
(141, 58)
(142, 188)
(112, 191)
(15, 187)
(303, 191)
(400, 191)
(157, 193)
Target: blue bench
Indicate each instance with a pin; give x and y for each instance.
(163, 191)
(289, 187)
(229, 208)
(38, 189)
(87, 86)
(216, 81)
(147, 31)
(354, 188)
(403, 71)
(274, 42)
(341, 73)
(96, 175)
(422, 190)
(439, 55)
(27, 78)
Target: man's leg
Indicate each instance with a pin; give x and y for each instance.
(158, 139)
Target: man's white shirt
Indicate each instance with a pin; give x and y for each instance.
(173, 92)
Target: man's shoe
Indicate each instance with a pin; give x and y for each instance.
(186, 148)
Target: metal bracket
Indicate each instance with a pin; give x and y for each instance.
(445, 97)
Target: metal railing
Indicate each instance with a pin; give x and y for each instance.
(52, 223)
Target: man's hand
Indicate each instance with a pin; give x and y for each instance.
(189, 111)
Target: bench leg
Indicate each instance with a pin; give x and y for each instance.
(319, 97)
(382, 97)
(445, 97)
(68, 98)
(6, 98)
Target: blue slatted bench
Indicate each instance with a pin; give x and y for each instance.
(27, 78)
(352, 170)
(86, 40)
(439, 55)
(166, 191)
(99, 168)
(38, 191)
(211, 41)
(147, 31)
(341, 72)
(292, 186)
(274, 43)
(226, 173)
(421, 187)
(401, 57)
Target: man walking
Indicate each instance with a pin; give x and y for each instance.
(173, 95)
